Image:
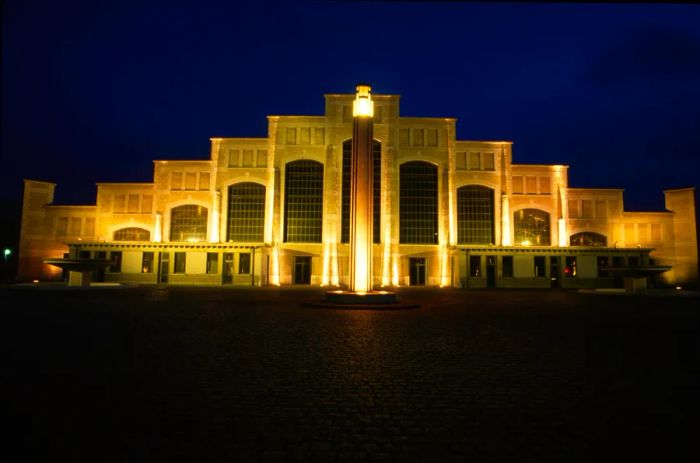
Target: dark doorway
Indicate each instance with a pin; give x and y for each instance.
(163, 267)
(227, 270)
(554, 271)
(417, 271)
(490, 271)
(302, 270)
(99, 275)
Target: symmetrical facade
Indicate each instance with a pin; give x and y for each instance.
(275, 210)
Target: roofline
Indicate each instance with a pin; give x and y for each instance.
(182, 160)
(487, 142)
(594, 188)
(687, 188)
(38, 181)
(125, 183)
(240, 138)
(565, 166)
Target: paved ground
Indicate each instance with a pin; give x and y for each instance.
(190, 374)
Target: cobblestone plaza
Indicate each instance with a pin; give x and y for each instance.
(162, 373)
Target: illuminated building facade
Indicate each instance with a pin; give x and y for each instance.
(276, 210)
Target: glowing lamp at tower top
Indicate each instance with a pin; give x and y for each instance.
(363, 106)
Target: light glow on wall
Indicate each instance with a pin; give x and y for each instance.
(562, 233)
(214, 227)
(275, 264)
(505, 222)
(158, 232)
(444, 258)
(395, 269)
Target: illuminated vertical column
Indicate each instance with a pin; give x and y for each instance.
(562, 206)
(158, 232)
(361, 192)
(505, 221)
(215, 218)
(275, 264)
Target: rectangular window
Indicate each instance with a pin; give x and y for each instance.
(244, 263)
(633, 261)
(347, 114)
(570, 269)
(602, 263)
(643, 232)
(116, 265)
(204, 180)
(488, 161)
(291, 136)
(180, 258)
(305, 136)
(618, 261)
(417, 137)
(404, 137)
(233, 156)
(147, 204)
(190, 180)
(539, 267)
(89, 226)
(431, 137)
(587, 209)
(247, 158)
(507, 266)
(475, 266)
(600, 212)
(147, 262)
(133, 204)
(262, 158)
(573, 208)
(212, 262)
(377, 114)
(62, 226)
(474, 161)
(544, 186)
(629, 234)
(175, 183)
(461, 161)
(655, 232)
(319, 136)
(531, 185)
(517, 185)
(84, 255)
(119, 203)
(75, 223)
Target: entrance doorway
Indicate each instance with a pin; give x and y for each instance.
(554, 271)
(302, 270)
(163, 267)
(490, 271)
(227, 269)
(416, 271)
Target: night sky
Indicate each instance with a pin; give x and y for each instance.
(94, 91)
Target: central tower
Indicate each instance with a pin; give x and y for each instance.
(361, 198)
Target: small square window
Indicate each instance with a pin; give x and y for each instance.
(180, 258)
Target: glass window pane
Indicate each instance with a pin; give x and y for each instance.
(418, 203)
(147, 262)
(244, 263)
(475, 266)
(188, 223)
(588, 239)
(132, 234)
(116, 265)
(212, 262)
(475, 215)
(531, 227)
(507, 266)
(180, 258)
(246, 212)
(303, 202)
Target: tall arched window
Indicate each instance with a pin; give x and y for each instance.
(418, 203)
(132, 234)
(588, 239)
(531, 227)
(475, 215)
(303, 202)
(376, 190)
(246, 213)
(188, 223)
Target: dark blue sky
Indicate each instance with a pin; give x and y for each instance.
(93, 91)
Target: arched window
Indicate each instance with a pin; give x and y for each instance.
(475, 215)
(188, 223)
(303, 202)
(246, 213)
(376, 190)
(418, 203)
(531, 227)
(132, 234)
(588, 239)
